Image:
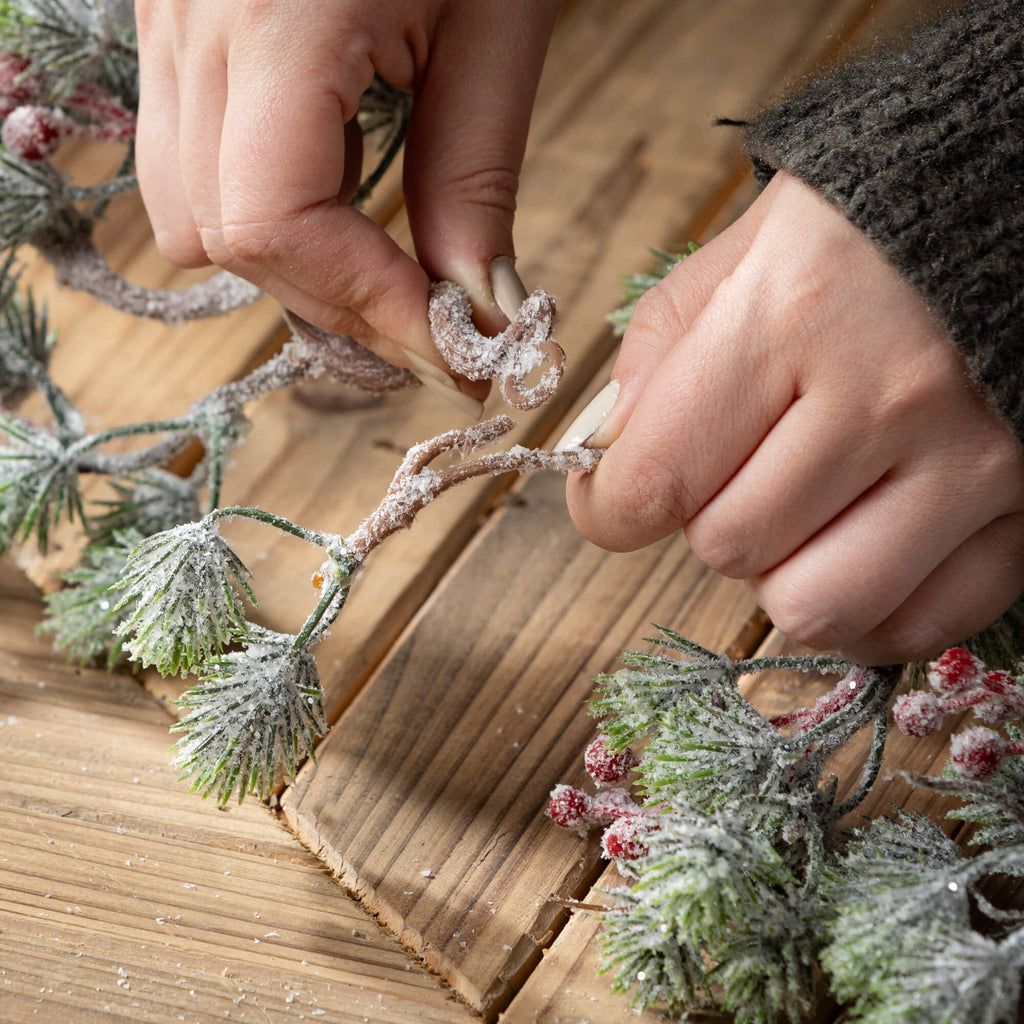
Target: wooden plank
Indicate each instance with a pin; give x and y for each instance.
(429, 794)
(122, 894)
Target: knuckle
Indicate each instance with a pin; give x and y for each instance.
(804, 615)
(720, 547)
(795, 301)
(239, 242)
(181, 249)
(998, 462)
(659, 496)
(492, 187)
(655, 316)
(623, 511)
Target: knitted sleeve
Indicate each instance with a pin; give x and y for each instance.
(924, 151)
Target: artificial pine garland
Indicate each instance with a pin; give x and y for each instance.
(745, 889)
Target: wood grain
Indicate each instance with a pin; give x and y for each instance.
(122, 894)
(428, 796)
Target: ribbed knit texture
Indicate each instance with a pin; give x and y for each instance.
(924, 151)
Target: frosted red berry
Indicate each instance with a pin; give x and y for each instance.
(624, 838)
(955, 670)
(568, 807)
(33, 133)
(1002, 697)
(976, 753)
(15, 89)
(918, 713)
(605, 765)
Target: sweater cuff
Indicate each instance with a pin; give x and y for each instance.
(924, 151)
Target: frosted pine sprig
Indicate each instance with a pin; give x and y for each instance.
(183, 585)
(38, 483)
(650, 958)
(901, 944)
(727, 894)
(147, 502)
(82, 615)
(69, 41)
(254, 716)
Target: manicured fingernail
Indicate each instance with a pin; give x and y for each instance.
(506, 285)
(586, 428)
(434, 378)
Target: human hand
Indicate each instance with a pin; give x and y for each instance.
(248, 150)
(787, 400)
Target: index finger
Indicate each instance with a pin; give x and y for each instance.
(279, 222)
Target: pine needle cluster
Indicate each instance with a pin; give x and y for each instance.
(750, 895)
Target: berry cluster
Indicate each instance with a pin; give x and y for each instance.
(35, 130)
(960, 681)
(624, 821)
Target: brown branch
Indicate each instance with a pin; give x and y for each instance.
(415, 484)
(344, 359)
(80, 265)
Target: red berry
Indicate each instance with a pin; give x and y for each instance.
(918, 713)
(15, 89)
(623, 839)
(1000, 682)
(955, 670)
(568, 807)
(1003, 697)
(976, 753)
(33, 133)
(605, 765)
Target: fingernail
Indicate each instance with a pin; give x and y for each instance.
(586, 428)
(506, 285)
(434, 378)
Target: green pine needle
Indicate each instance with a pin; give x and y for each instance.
(73, 40)
(148, 502)
(38, 484)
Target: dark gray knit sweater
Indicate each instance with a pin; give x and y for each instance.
(924, 151)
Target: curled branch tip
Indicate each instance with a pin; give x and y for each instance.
(509, 356)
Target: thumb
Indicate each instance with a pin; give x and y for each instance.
(465, 144)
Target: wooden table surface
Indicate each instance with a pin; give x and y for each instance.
(407, 875)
